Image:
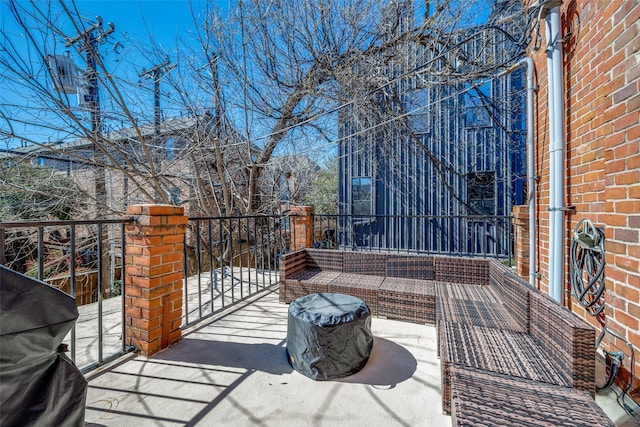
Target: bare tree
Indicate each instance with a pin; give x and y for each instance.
(103, 130)
(289, 69)
(266, 78)
(252, 84)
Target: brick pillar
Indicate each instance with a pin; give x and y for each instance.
(301, 218)
(521, 238)
(154, 274)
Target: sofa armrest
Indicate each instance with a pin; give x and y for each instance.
(292, 263)
(569, 341)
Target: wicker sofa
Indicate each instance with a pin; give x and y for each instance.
(488, 319)
(395, 286)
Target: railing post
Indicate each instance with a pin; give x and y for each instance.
(3, 260)
(301, 227)
(521, 239)
(154, 273)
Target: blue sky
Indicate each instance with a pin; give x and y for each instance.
(164, 19)
(135, 22)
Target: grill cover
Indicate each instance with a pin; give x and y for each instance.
(328, 335)
(39, 384)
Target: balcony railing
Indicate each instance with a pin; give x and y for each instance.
(66, 255)
(228, 259)
(461, 235)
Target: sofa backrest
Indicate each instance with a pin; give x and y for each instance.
(470, 271)
(410, 267)
(513, 291)
(325, 260)
(291, 263)
(568, 341)
(371, 263)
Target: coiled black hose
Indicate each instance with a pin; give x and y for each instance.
(587, 286)
(587, 272)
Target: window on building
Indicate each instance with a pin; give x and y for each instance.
(361, 196)
(170, 148)
(417, 105)
(482, 192)
(174, 196)
(476, 106)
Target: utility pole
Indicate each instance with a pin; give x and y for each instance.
(157, 73)
(89, 39)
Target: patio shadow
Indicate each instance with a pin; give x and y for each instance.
(388, 365)
(263, 357)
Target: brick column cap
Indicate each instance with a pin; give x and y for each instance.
(301, 208)
(520, 209)
(155, 210)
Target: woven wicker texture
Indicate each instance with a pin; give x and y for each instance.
(324, 259)
(407, 299)
(478, 313)
(473, 271)
(410, 267)
(359, 285)
(463, 291)
(308, 282)
(297, 290)
(373, 264)
(487, 399)
(290, 264)
(513, 291)
(501, 351)
(567, 340)
(320, 277)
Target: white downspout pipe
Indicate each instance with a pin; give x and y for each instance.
(531, 173)
(556, 152)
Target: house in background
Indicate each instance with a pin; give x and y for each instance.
(181, 153)
(597, 140)
(442, 146)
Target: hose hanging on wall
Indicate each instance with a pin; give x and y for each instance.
(587, 286)
(587, 267)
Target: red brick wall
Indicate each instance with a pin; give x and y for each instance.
(602, 105)
(154, 276)
(301, 218)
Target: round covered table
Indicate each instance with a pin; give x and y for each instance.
(328, 335)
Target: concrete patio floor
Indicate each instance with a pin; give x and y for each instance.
(232, 371)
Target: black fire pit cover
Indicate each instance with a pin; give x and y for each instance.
(328, 335)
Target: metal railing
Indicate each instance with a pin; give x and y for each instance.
(459, 235)
(84, 259)
(228, 259)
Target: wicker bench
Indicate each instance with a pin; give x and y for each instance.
(525, 335)
(395, 286)
(483, 398)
